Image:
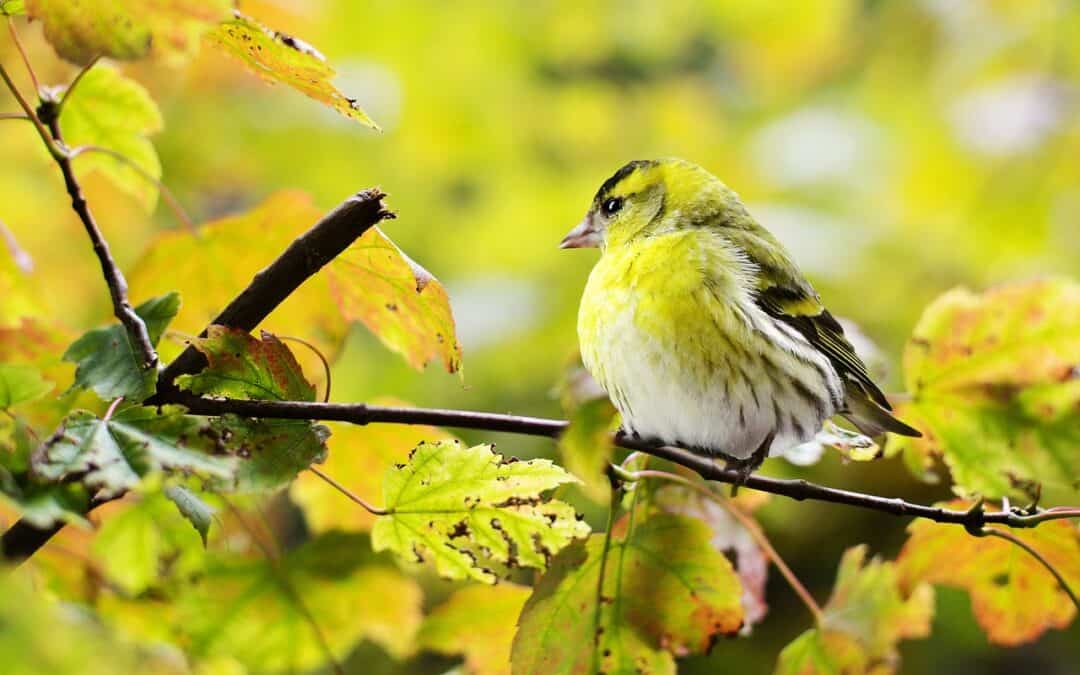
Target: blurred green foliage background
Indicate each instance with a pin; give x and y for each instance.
(898, 148)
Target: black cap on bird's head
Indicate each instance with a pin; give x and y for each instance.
(631, 181)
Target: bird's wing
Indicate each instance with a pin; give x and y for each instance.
(785, 295)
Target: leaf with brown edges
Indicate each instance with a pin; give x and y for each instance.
(277, 57)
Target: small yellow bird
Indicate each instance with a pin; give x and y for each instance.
(702, 330)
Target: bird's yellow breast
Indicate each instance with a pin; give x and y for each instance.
(670, 300)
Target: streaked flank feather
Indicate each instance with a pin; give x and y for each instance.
(700, 327)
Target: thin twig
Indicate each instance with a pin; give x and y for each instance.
(114, 278)
(22, 53)
(318, 353)
(373, 510)
(14, 116)
(166, 193)
(751, 526)
(1009, 536)
(50, 144)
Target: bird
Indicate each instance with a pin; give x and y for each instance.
(701, 329)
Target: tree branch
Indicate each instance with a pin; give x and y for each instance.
(362, 413)
(303, 258)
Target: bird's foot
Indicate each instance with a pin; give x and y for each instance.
(636, 440)
(745, 467)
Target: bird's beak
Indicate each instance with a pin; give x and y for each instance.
(582, 236)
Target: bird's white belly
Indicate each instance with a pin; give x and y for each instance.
(661, 395)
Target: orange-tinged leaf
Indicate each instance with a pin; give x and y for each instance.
(358, 458)
(241, 366)
(666, 592)
(213, 265)
(125, 29)
(993, 378)
(1015, 599)
(865, 618)
(478, 622)
(399, 301)
(277, 57)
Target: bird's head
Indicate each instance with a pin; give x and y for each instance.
(649, 197)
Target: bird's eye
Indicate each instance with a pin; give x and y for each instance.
(611, 206)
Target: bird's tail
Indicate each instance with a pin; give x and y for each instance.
(872, 419)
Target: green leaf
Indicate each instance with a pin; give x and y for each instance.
(993, 382)
(125, 29)
(1015, 599)
(12, 7)
(866, 616)
(44, 505)
(114, 456)
(470, 510)
(272, 451)
(479, 622)
(21, 383)
(241, 366)
(197, 512)
(264, 613)
(109, 364)
(587, 446)
(400, 302)
(43, 635)
(666, 591)
(109, 110)
(277, 57)
(146, 543)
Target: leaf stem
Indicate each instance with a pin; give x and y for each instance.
(322, 357)
(75, 83)
(373, 510)
(613, 508)
(166, 193)
(755, 532)
(1009, 536)
(112, 409)
(22, 53)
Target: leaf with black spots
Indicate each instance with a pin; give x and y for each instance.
(113, 456)
(471, 510)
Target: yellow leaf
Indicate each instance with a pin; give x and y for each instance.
(478, 622)
(277, 57)
(399, 301)
(125, 29)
